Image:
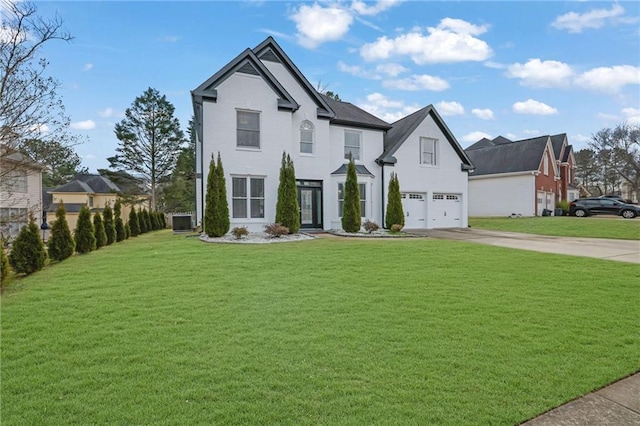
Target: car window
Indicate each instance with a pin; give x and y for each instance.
(608, 203)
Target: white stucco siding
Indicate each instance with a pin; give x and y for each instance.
(446, 177)
(502, 196)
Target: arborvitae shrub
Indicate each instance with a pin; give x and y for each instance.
(4, 267)
(155, 224)
(216, 219)
(61, 243)
(351, 206)
(134, 224)
(287, 210)
(147, 218)
(28, 254)
(163, 221)
(98, 230)
(84, 234)
(109, 224)
(119, 223)
(127, 231)
(394, 214)
(142, 221)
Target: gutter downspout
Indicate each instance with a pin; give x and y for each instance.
(381, 164)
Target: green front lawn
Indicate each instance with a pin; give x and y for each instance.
(169, 330)
(564, 226)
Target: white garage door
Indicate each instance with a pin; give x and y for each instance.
(413, 206)
(446, 211)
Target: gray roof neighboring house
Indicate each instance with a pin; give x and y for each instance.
(403, 128)
(520, 156)
(90, 184)
(347, 114)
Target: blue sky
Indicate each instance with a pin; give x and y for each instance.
(517, 69)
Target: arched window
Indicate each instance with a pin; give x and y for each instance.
(306, 137)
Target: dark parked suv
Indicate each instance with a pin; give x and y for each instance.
(589, 206)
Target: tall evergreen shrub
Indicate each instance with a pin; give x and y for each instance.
(127, 231)
(142, 221)
(147, 218)
(61, 243)
(394, 214)
(134, 224)
(216, 220)
(28, 254)
(98, 230)
(109, 225)
(351, 206)
(4, 267)
(155, 225)
(84, 234)
(287, 209)
(119, 223)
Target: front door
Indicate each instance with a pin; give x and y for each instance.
(310, 202)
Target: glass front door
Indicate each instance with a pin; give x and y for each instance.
(310, 202)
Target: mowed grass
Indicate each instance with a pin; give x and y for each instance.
(165, 329)
(565, 226)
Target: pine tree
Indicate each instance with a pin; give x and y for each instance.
(98, 230)
(127, 231)
(394, 214)
(119, 224)
(142, 221)
(61, 244)
(134, 224)
(351, 204)
(28, 254)
(84, 234)
(287, 209)
(216, 220)
(109, 225)
(4, 267)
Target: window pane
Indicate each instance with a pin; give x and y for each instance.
(257, 188)
(248, 120)
(239, 187)
(306, 136)
(306, 148)
(257, 207)
(240, 207)
(248, 138)
(352, 145)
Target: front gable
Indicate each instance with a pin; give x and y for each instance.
(548, 160)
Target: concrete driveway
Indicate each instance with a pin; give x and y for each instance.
(600, 248)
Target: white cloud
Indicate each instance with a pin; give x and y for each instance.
(450, 108)
(417, 82)
(529, 132)
(533, 107)
(453, 40)
(595, 18)
(631, 115)
(317, 24)
(580, 138)
(537, 73)
(511, 136)
(87, 67)
(484, 114)
(607, 117)
(83, 125)
(40, 128)
(391, 69)
(495, 65)
(475, 136)
(367, 9)
(358, 71)
(90, 157)
(387, 109)
(609, 79)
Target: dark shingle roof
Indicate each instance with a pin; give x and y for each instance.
(87, 183)
(403, 128)
(47, 198)
(520, 156)
(484, 142)
(556, 142)
(348, 114)
(360, 169)
(567, 152)
(73, 186)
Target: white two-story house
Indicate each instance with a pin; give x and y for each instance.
(260, 105)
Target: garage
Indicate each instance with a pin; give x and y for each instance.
(413, 205)
(446, 211)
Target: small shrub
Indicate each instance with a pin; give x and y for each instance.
(28, 254)
(275, 230)
(127, 231)
(61, 243)
(99, 231)
(396, 228)
(370, 226)
(109, 224)
(564, 205)
(239, 232)
(84, 234)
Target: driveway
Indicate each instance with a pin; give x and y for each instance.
(600, 248)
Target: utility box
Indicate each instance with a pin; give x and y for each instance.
(182, 223)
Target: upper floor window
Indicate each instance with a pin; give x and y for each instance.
(545, 164)
(428, 151)
(15, 181)
(306, 137)
(248, 129)
(352, 144)
(90, 201)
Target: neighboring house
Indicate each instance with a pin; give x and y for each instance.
(20, 192)
(260, 105)
(90, 190)
(519, 177)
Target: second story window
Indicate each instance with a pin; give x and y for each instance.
(248, 129)
(428, 148)
(352, 144)
(15, 181)
(90, 201)
(306, 137)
